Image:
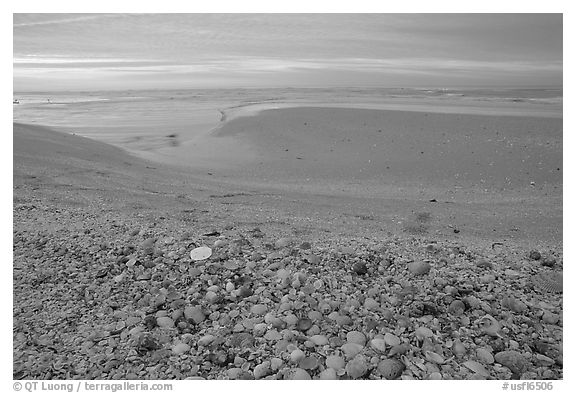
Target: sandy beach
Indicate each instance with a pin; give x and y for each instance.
(102, 241)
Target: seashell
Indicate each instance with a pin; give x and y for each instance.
(259, 309)
(514, 305)
(276, 363)
(535, 255)
(391, 368)
(328, 374)
(245, 291)
(484, 263)
(200, 253)
(180, 348)
(549, 350)
(234, 373)
(242, 340)
(476, 367)
(343, 320)
(262, 370)
(300, 374)
(484, 356)
(399, 349)
(319, 339)
(513, 360)
(548, 261)
(356, 337)
(283, 242)
(490, 326)
(435, 376)
(371, 304)
(206, 340)
(458, 349)
(335, 362)
(548, 282)
(423, 332)
(357, 367)
(360, 268)
(457, 307)
(419, 268)
(391, 340)
(304, 324)
(308, 363)
(378, 344)
(297, 355)
(351, 349)
(433, 357)
(231, 265)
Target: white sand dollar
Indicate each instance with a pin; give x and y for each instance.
(200, 253)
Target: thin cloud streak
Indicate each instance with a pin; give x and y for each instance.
(64, 21)
(252, 64)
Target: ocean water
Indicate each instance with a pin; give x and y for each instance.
(149, 121)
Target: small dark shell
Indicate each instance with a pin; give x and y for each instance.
(457, 307)
(360, 268)
(535, 255)
(304, 324)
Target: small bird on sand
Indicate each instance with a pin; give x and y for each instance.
(490, 326)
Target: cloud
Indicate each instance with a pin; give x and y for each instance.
(61, 20)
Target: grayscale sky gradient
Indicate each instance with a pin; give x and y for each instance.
(139, 51)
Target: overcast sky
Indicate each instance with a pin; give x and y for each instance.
(98, 51)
